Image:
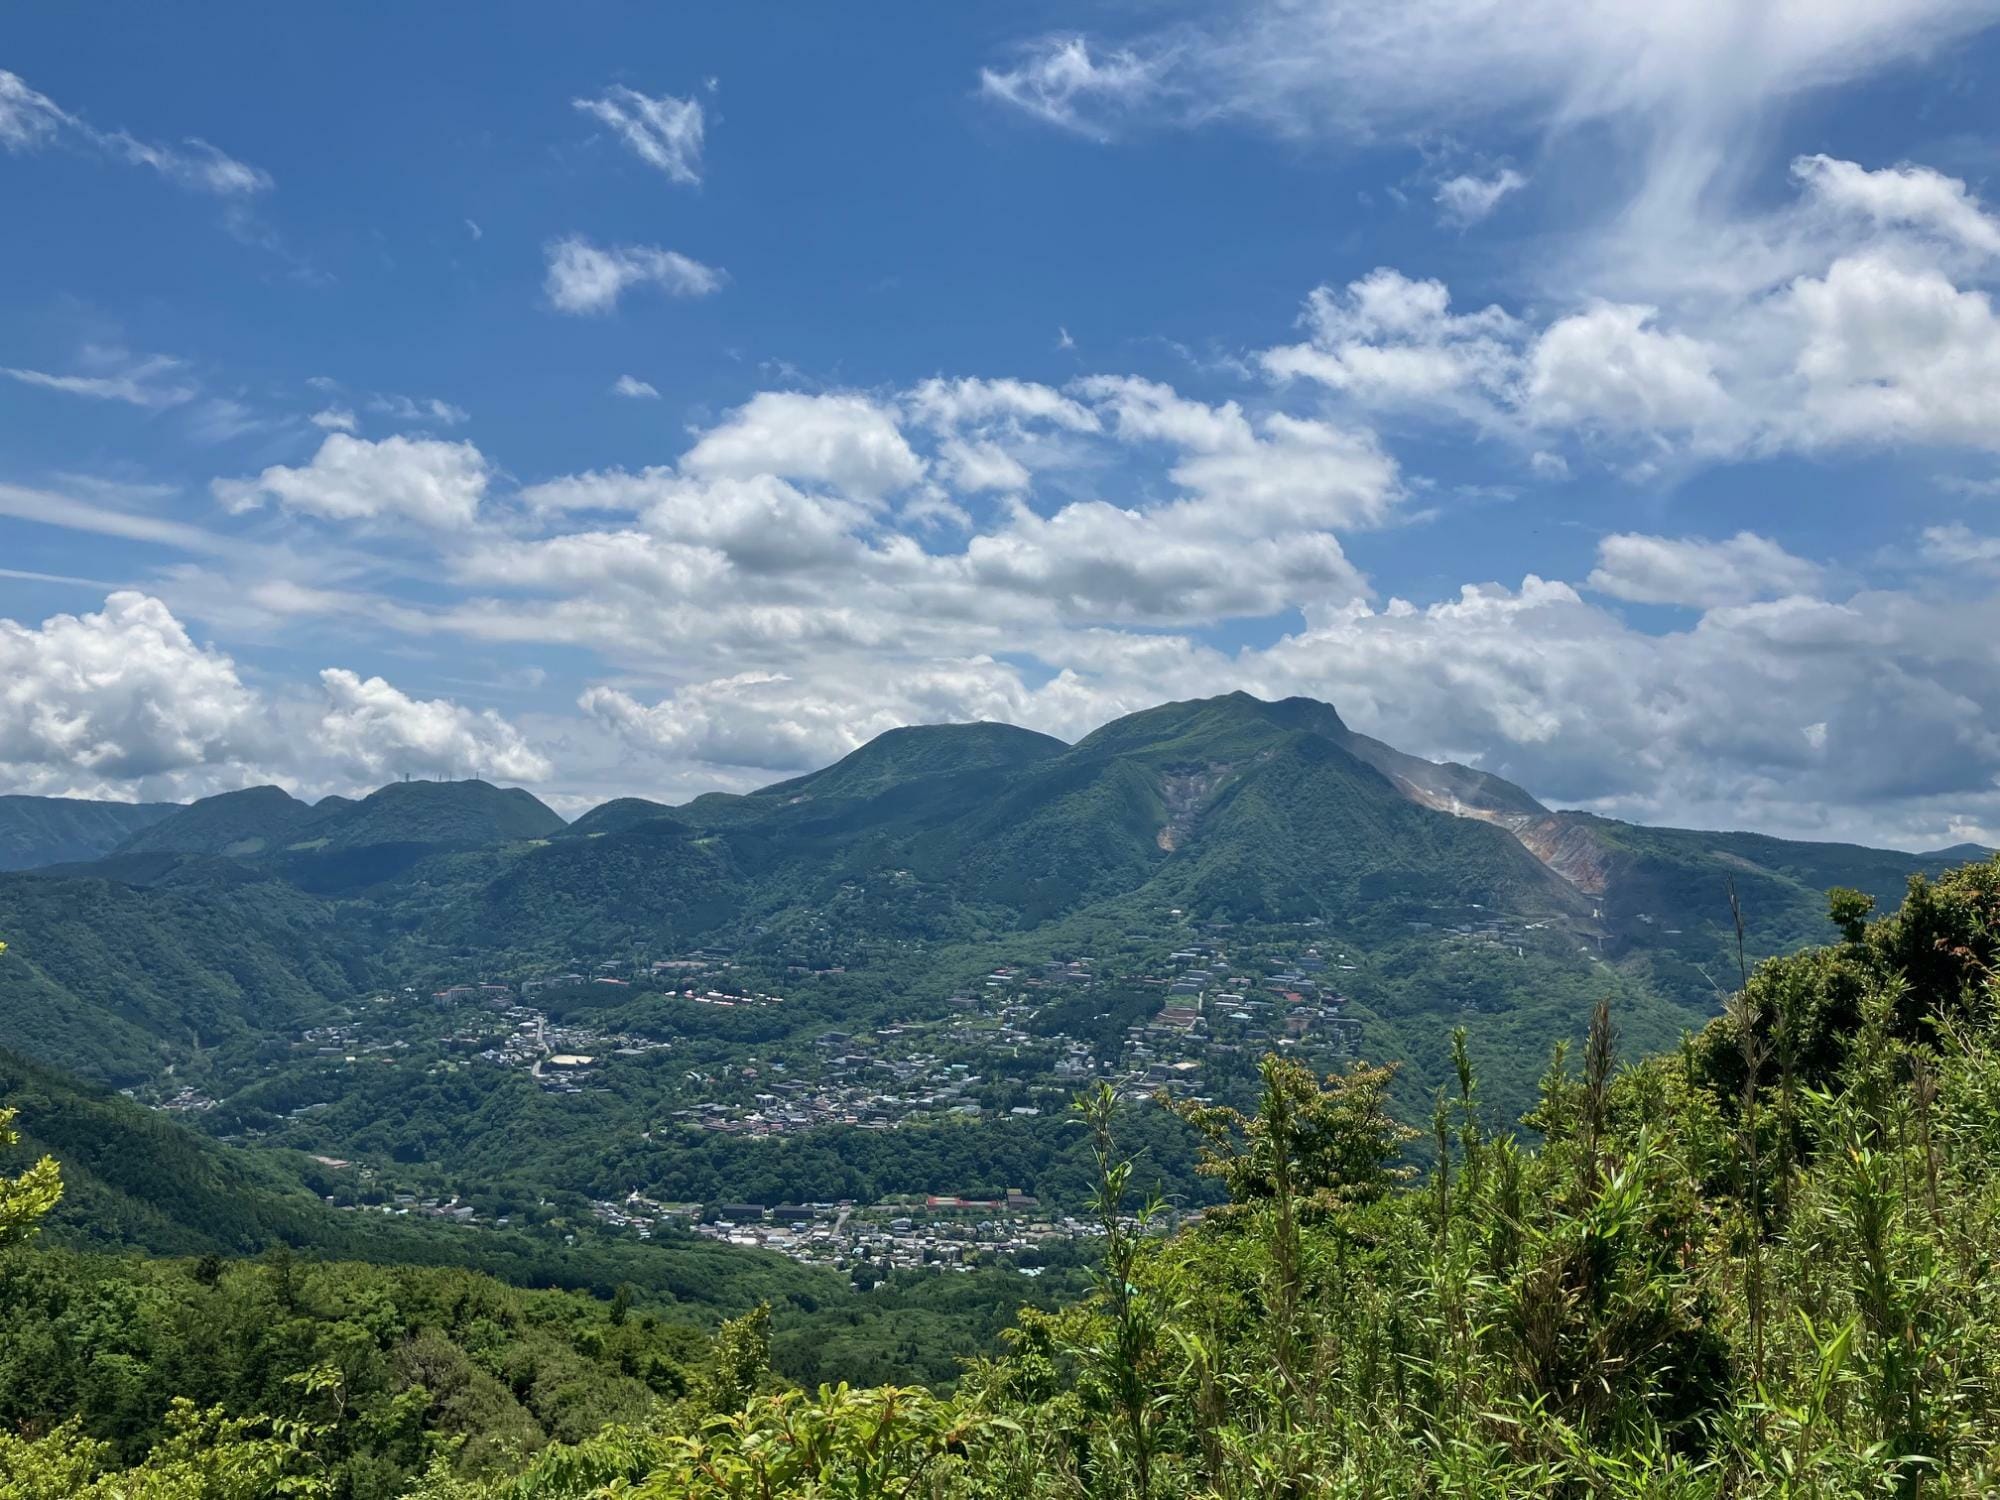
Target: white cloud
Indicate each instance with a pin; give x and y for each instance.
(665, 133)
(758, 720)
(1389, 340)
(979, 403)
(1276, 472)
(1060, 82)
(1610, 368)
(152, 381)
(844, 440)
(1466, 199)
(1841, 328)
(1699, 573)
(30, 120)
(433, 483)
(1958, 546)
(1903, 195)
(1092, 561)
(994, 434)
(583, 560)
(124, 703)
(1709, 725)
(1887, 353)
(1693, 69)
(419, 409)
(584, 278)
(123, 694)
(983, 465)
(372, 731)
(635, 388)
(334, 419)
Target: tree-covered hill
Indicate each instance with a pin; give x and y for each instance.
(114, 980)
(38, 831)
(255, 820)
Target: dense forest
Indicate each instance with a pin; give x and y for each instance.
(1759, 1264)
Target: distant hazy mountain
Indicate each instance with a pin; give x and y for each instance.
(61, 830)
(338, 843)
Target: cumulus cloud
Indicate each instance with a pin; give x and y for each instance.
(780, 724)
(1389, 340)
(585, 278)
(30, 120)
(120, 695)
(124, 702)
(664, 133)
(1902, 195)
(1699, 573)
(843, 440)
(1887, 353)
(1611, 367)
(1271, 473)
(634, 388)
(994, 434)
(1788, 714)
(422, 480)
(372, 730)
(1860, 331)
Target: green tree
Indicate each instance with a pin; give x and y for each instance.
(25, 1199)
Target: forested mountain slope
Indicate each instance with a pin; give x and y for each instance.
(1759, 1264)
(113, 980)
(59, 830)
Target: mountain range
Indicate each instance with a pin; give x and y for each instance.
(148, 930)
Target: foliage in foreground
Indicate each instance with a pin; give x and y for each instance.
(1763, 1265)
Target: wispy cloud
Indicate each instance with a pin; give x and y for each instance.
(632, 386)
(665, 133)
(30, 120)
(1060, 81)
(1466, 199)
(153, 382)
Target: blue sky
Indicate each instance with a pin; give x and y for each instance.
(1607, 399)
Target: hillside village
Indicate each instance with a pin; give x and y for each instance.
(1019, 1043)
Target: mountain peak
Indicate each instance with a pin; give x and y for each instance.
(1221, 727)
(470, 812)
(920, 750)
(251, 820)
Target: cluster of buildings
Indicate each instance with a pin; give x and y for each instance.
(946, 1233)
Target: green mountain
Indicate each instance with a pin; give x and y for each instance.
(890, 761)
(444, 814)
(618, 814)
(255, 820)
(38, 831)
(112, 980)
(1227, 808)
(975, 843)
